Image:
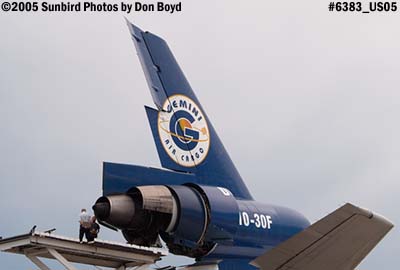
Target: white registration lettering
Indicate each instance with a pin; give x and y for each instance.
(259, 220)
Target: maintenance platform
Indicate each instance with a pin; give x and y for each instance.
(35, 245)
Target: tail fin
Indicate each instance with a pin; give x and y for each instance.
(185, 139)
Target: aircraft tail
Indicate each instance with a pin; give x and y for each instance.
(184, 136)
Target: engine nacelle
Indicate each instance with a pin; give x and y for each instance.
(191, 219)
(207, 216)
(140, 213)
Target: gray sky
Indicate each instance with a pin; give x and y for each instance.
(306, 101)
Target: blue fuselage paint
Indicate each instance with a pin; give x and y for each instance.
(251, 241)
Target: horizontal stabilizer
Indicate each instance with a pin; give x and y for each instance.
(339, 241)
(119, 178)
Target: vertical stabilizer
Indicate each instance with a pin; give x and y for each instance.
(185, 138)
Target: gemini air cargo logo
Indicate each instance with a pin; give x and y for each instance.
(183, 131)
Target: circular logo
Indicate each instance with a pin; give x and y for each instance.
(183, 131)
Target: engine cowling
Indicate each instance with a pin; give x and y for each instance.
(189, 218)
(140, 213)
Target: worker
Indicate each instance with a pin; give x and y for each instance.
(84, 225)
(94, 230)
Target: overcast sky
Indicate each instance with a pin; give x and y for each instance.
(306, 101)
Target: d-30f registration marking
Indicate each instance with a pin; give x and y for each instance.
(259, 220)
(200, 206)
